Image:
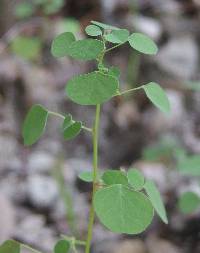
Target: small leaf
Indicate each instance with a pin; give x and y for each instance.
(114, 71)
(157, 96)
(87, 49)
(156, 200)
(104, 26)
(72, 131)
(86, 176)
(62, 246)
(10, 246)
(117, 36)
(189, 202)
(27, 48)
(122, 210)
(111, 177)
(24, 10)
(54, 6)
(91, 89)
(190, 165)
(93, 30)
(135, 179)
(67, 121)
(142, 43)
(61, 44)
(34, 124)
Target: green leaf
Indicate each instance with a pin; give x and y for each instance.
(190, 165)
(91, 89)
(67, 121)
(69, 25)
(27, 48)
(122, 210)
(111, 177)
(157, 96)
(104, 26)
(10, 246)
(156, 200)
(114, 71)
(117, 36)
(87, 49)
(142, 43)
(62, 246)
(72, 131)
(189, 202)
(135, 179)
(93, 30)
(34, 124)
(24, 10)
(61, 44)
(86, 176)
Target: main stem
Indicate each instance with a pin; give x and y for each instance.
(95, 134)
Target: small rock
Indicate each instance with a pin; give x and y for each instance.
(7, 218)
(42, 191)
(158, 245)
(147, 25)
(179, 57)
(40, 162)
(125, 246)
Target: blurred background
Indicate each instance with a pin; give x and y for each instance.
(41, 196)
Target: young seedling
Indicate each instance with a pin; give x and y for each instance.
(124, 202)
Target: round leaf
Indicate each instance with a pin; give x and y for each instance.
(72, 131)
(86, 176)
(87, 49)
(156, 200)
(142, 43)
(93, 30)
(189, 202)
(157, 96)
(62, 246)
(135, 179)
(91, 89)
(61, 44)
(104, 26)
(117, 36)
(122, 210)
(111, 177)
(34, 124)
(10, 246)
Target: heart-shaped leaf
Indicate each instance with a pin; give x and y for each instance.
(142, 43)
(117, 36)
(157, 96)
(87, 49)
(156, 200)
(122, 210)
(91, 89)
(189, 202)
(111, 177)
(61, 44)
(10, 246)
(62, 246)
(34, 124)
(135, 179)
(93, 30)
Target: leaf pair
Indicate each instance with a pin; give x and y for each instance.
(66, 45)
(35, 124)
(120, 206)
